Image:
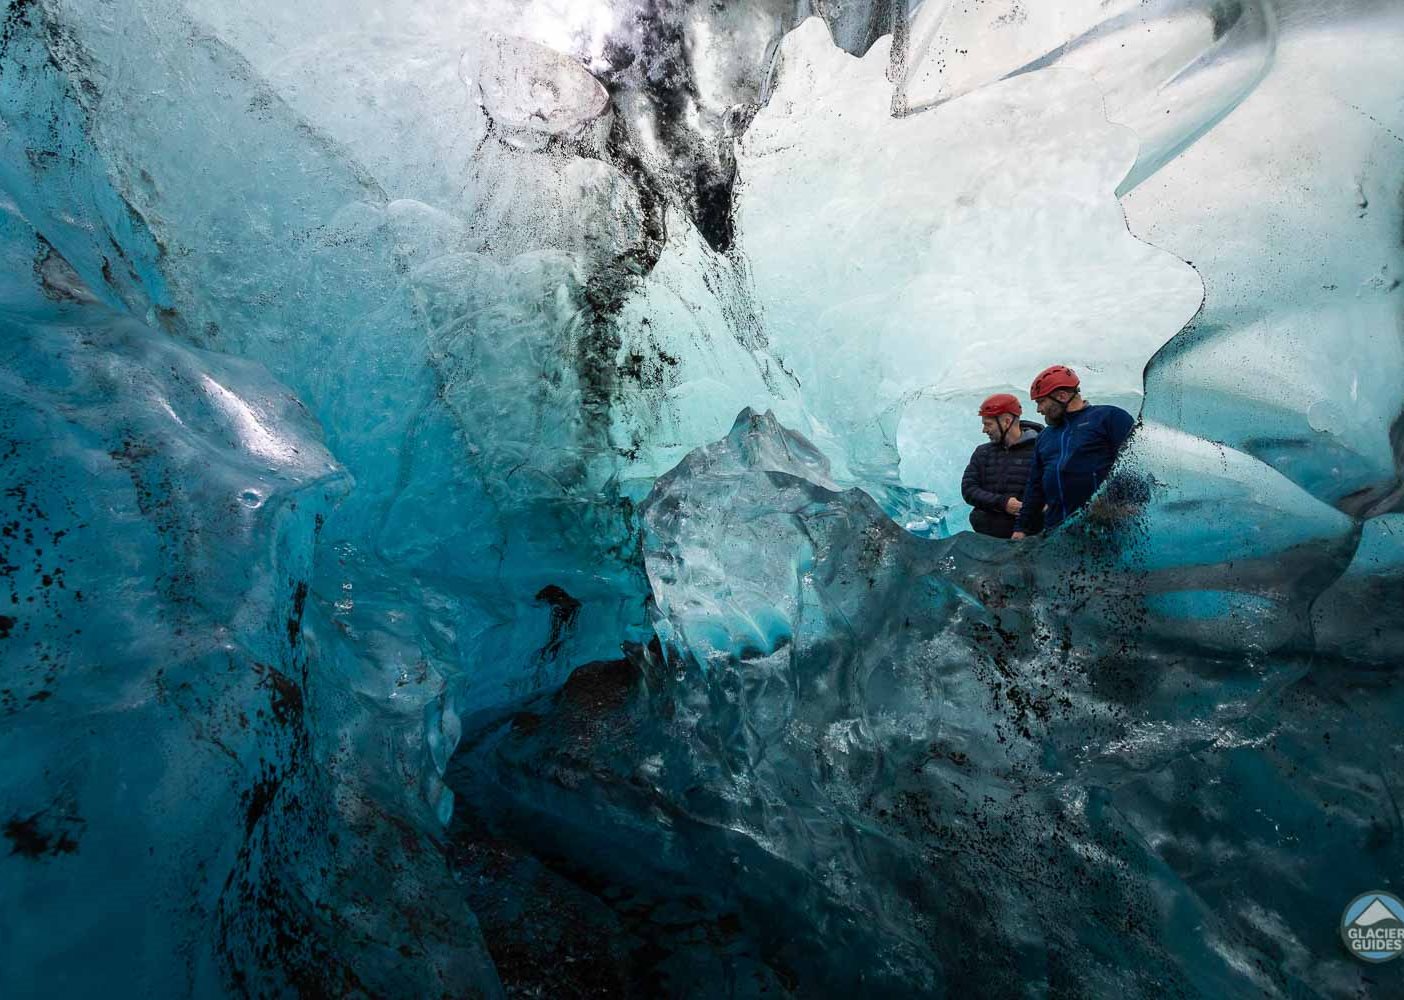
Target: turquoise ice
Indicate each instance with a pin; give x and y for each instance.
(480, 514)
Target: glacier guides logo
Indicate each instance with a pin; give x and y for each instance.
(1372, 927)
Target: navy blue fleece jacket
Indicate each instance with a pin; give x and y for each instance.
(1071, 460)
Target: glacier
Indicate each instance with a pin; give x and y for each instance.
(480, 508)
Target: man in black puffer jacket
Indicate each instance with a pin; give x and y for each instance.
(998, 472)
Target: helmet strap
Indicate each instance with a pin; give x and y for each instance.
(1062, 404)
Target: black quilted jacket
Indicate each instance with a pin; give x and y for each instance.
(995, 474)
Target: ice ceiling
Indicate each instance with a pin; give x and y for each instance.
(480, 516)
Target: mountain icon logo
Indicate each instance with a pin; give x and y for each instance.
(1372, 926)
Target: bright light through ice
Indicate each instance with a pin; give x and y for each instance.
(252, 431)
(577, 28)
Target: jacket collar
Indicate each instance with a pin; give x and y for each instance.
(1028, 434)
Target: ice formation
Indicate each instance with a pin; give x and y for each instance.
(480, 515)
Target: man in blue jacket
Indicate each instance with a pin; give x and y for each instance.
(1074, 454)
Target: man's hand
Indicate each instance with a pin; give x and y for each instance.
(1013, 505)
(1018, 536)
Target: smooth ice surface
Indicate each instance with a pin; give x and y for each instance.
(480, 516)
(958, 250)
(1295, 355)
(1170, 69)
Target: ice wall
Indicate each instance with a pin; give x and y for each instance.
(848, 739)
(1295, 356)
(374, 373)
(959, 251)
(175, 811)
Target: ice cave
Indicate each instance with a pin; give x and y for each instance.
(482, 513)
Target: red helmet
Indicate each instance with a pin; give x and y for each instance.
(1051, 379)
(1000, 402)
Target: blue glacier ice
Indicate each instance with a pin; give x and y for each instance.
(480, 508)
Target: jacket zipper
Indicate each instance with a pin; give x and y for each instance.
(1062, 457)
